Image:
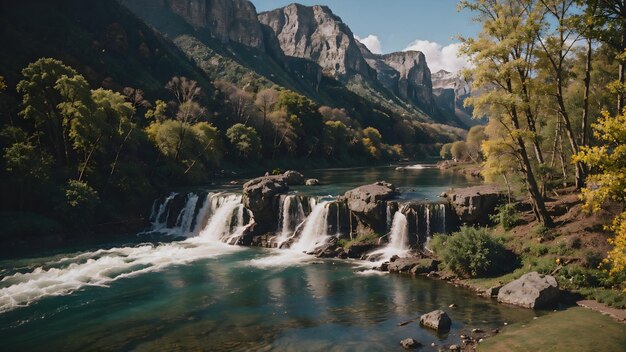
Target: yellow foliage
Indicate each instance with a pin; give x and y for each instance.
(609, 183)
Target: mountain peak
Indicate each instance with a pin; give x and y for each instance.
(315, 33)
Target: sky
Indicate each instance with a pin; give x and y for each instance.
(386, 26)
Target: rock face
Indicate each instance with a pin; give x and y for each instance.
(437, 320)
(413, 266)
(532, 290)
(406, 74)
(414, 81)
(293, 178)
(259, 196)
(451, 90)
(315, 33)
(369, 205)
(474, 204)
(226, 20)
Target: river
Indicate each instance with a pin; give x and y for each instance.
(153, 293)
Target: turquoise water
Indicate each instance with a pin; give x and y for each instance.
(231, 303)
(201, 294)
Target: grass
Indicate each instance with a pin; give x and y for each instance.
(571, 330)
(369, 238)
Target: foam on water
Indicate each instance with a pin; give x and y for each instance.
(100, 268)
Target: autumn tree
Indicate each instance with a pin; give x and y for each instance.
(265, 101)
(495, 55)
(608, 183)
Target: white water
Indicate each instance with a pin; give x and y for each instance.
(220, 223)
(287, 218)
(398, 240)
(100, 268)
(156, 224)
(63, 276)
(315, 231)
(187, 215)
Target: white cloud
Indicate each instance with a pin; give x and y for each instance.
(440, 57)
(371, 42)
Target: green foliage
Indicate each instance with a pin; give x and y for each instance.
(505, 215)
(446, 151)
(459, 151)
(362, 239)
(245, 140)
(472, 252)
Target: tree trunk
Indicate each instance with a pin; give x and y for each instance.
(539, 207)
(585, 122)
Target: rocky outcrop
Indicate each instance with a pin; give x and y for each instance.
(369, 205)
(414, 81)
(474, 204)
(532, 290)
(406, 74)
(312, 182)
(409, 344)
(437, 320)
(225, 20)
(414, 266)
(315, 33)
(260, 196)
(293, 178)
(451, 91)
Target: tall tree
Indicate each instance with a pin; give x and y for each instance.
(265, 101)
(40, 100)
(556, 47)
(495, 72)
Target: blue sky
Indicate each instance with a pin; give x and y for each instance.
(398, 24)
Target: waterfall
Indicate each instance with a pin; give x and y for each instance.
(428, 221)
(219, 226)
(398, 240)
(399, 237)
(389, 216)
(315, 231)
(155, 218)
(187, 215)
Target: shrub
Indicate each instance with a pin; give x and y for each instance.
(472, 252)
(543, 232)
(506, 215)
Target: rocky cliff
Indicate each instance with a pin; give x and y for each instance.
(225, 20)
(315, 33)
(451, 90)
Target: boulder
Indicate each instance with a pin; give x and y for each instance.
(259, 196)
(414, 266)
(492, 291)
(312, 182)
(369, 205)
(532, 290)
(293, 178)
(473, 205)
(357, 250)
(409, 344)
(437, 320)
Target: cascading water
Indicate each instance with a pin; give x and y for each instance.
(221, 222)
(158, 218)
(398, 240)
(291, 214)
(315, 230)
(187, 215)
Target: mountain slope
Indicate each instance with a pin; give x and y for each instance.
(102, 40)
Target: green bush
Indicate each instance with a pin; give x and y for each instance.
(506, 215)
(473, 252)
